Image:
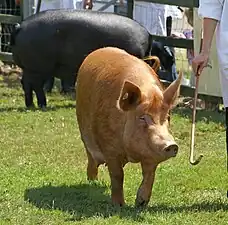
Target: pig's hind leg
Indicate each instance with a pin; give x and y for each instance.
(94, 156)
(92, 167)
(40, 94)
(33, 81)
(27, 88)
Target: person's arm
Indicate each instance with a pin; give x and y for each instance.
(209, 26)
(201, 60)
(88, 4)
(210, 11)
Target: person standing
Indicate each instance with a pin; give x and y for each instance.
(60, 4)
(152, 16)
(66, 4)
(215, 14)
(157, 19)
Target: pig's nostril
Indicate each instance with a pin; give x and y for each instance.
(173, 148)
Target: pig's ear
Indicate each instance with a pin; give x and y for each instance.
(172, 92)
(130, 96)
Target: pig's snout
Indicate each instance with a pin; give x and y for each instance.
(172, 149)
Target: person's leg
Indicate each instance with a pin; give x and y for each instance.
(174, 72)
(224, 89)
(226, 111)
(193, 80)
(78, 5)
(226, 118)
(173, 69)
(169, 25)
(4, 38)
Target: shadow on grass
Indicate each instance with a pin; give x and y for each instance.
(201, 115)
(88, 200)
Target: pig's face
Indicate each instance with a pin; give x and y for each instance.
(146, 131)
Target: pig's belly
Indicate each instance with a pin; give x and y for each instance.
(97, 156)
(94, 150)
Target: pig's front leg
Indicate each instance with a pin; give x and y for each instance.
(116, 173)
(145, 189)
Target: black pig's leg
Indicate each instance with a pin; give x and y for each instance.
(27, 87)
(38, 87)
(48, 85)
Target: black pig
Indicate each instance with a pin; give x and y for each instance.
(55, 43)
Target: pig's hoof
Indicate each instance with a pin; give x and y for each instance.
(92, 178)
(140, 202)
(29, 107)
(117, 202)
(43, 107)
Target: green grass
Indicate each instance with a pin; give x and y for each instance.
(43, 171)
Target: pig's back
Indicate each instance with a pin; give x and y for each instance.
(65, 37)
(101, 21)
(93, 29)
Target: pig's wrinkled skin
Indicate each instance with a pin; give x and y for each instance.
(123, 117)
(55, 42)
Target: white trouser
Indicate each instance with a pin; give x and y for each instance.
(152, 16)
(222, 52)
(224, 84)
(60, 4)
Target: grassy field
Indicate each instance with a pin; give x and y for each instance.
(43, 171)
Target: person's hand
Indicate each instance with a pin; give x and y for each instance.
(199, 62)
(177, 35)
(88, 4)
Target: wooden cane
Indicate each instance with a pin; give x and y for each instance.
(191, 158)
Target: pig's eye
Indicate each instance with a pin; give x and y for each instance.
(142, 121)
(146, 119)
(142, 118)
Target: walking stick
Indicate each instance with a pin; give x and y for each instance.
(191, 158)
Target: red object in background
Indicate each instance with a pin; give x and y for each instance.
(87, 4)
(18, 2)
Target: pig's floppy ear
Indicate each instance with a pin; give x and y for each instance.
(130, 96)
(172, 92)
